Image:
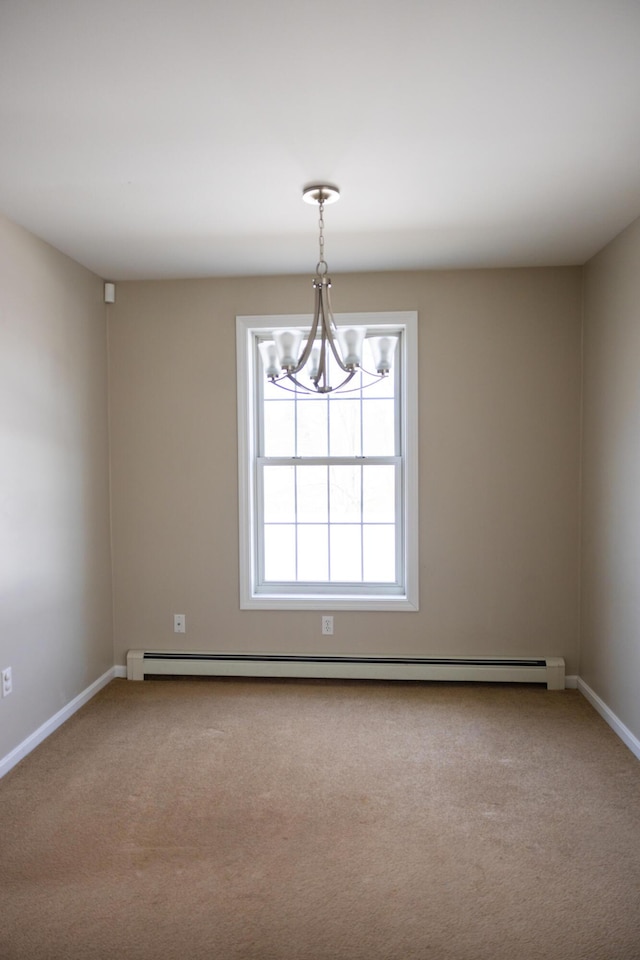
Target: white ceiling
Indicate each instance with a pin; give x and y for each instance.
(172, 138)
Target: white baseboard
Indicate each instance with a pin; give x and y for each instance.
(628, 738)
(47, 728)
(571, 682)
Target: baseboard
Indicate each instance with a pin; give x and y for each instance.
(47, 728)
(618, 727)
(571, 682)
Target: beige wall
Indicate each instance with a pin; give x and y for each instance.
(610, 652)
(499, 465)
(500, 383)
(55, 578)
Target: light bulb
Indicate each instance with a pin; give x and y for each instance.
(382, 350)
(351, 340)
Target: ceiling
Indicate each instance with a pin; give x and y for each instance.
(157, 138)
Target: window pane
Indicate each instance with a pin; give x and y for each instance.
(313, 552)
(379, 494)
(378, 427)
(312, 428)
(344, 427)
(279, 494)
(345, 494)
(272, 392)
(379, 553)
(346, 552)
(336, 374)
(312, 493)
(279, 428)
(279, 552)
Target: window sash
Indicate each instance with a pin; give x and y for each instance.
(342, 586)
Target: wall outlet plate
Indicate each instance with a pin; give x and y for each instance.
(327, 625)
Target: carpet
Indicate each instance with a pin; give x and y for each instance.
(323, 820)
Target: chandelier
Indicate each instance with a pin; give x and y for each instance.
(329, 350)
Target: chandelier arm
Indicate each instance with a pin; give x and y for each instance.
(329, 325)
(306, 353)
(322, 390)
(350, 375)
(375, 378)
(281, 386)
(346, 380)
(329, 310)
(320, 380)
(299, 386)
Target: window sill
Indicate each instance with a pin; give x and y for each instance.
(329, 602)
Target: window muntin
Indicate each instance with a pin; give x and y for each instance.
(330, 482)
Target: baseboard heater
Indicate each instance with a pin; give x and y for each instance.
(144, 663)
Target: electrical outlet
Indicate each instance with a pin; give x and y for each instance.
(7, 682)
(179, 623)
(327, 626)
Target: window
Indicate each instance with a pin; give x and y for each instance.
(328, 484)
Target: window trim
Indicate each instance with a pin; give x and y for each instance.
(363, 598)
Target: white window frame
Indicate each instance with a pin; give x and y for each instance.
(363, 597)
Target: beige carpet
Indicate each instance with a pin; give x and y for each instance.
(266, 820)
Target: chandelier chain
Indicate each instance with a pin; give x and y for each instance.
(322, 267)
